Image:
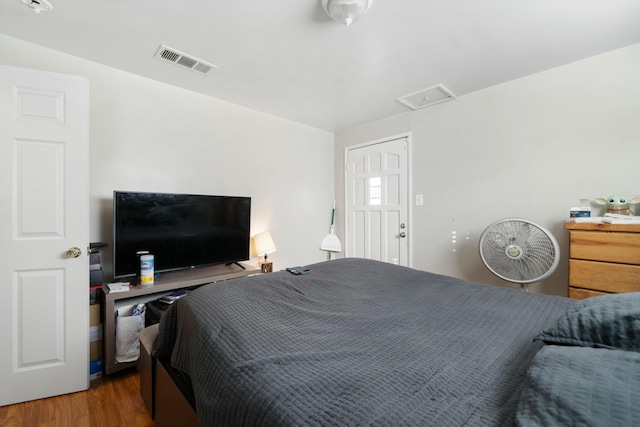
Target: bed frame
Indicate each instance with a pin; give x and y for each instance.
(167, 393)
(174, 399)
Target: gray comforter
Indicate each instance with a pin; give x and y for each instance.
(355, 342)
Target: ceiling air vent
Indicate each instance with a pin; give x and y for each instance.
(174, 56)
(426, 97)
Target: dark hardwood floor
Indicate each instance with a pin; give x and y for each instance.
(111, 401)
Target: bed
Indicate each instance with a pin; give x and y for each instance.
(361, 342)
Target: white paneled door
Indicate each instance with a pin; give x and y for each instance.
(44, 212)
(377, 197)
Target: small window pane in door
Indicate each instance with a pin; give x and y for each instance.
(375, 191)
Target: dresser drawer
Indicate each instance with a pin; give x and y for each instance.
(605, 277)
(617, 247)
(577, 293)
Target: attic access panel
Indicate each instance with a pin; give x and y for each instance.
(426, 97)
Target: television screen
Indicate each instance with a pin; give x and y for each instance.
(179, 230)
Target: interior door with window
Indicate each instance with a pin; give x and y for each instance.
(44, 232)
(377, 196)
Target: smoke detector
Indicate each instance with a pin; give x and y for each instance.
(174, 56)
(426, 97)
(39, 5)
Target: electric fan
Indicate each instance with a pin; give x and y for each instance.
(519, 251)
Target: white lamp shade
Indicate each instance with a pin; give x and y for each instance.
(346, 11)
(263, 243)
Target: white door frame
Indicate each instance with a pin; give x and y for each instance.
(406, 135)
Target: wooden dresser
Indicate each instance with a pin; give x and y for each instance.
(603, 259)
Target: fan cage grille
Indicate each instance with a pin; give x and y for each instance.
(537, 251)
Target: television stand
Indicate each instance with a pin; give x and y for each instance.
(166, 283)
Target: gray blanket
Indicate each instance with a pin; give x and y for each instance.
(355, 342)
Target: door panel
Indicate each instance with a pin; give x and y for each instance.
(39, 167)
(44, 195)
(377, 196)
(39, 343)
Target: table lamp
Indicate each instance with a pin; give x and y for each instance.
(263, 244)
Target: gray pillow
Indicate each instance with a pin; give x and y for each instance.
(608, 321)
(579, 386)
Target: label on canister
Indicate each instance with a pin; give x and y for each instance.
(146, 270)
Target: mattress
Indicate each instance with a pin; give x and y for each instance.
(355, 342)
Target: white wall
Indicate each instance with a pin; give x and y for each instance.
(527, 148)
(149, 136)
(531, 147)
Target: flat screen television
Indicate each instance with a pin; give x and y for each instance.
(180, 230)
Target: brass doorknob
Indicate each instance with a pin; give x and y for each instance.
(74, 252)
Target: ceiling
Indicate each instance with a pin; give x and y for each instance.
(289, 59)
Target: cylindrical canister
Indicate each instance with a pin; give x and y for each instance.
(146, 269)
(138, 255)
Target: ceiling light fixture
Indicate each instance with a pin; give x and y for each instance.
(346, 11)
(39, 5)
